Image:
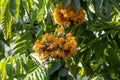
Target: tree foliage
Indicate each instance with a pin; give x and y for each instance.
(22, 22)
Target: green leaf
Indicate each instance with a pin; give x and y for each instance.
(115, 57)
(22, 9)
(7, 22)
(2, 36)
(113, 33)
(29, 5)
(66, 3)
(113, 60)
(96, 65)
(116, 3)
(2, 47)
(53, 67)
(40, 4)
(99, 48)
(87, 55)
(33, 18)
(17, 10)
(63, 72)
(80, 30)
(69, 77)
(40, 33)
(109, 9)
(24, 62)
(9, 70)
(3, 4)
(12, 7)
(31, 64)
(37, 75)
(40, 16)
(98, 5)
(17, 67)
(40, 75)
(20, 77)
(33, 56)
(20, 44)
(77, 4)
(34, 76)
(20, 49)
(119, 35)
(25, 37)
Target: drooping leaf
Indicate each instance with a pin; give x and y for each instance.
(98, 5)
(69, 77)
(24, 62)
(9, 70)
(20, 44)
(7, 22)
(66, 3)
(21, 49)
(63, 72)
(12, 7)
(2, 47)
(54, 67)
(77, 4)
(99, 48)
(40, 33)
(33, 75)
(3, 4)
(109, 9)
(17, 10)
(40, 4)
(113, 60)
(116, 3)
(40, 16)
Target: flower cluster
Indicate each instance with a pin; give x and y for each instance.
(55, 46)
(65, 16)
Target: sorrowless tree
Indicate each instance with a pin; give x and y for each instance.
(59, 39)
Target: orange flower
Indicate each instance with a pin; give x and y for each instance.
(53, 54)
(43, 55)
(55, 46)
(65, 16)
(48, 37)
(79, 17)
(60, 30)
(59, 16)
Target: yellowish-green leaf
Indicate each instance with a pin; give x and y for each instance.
(40, 16)
(17, 10)
(3, 4)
